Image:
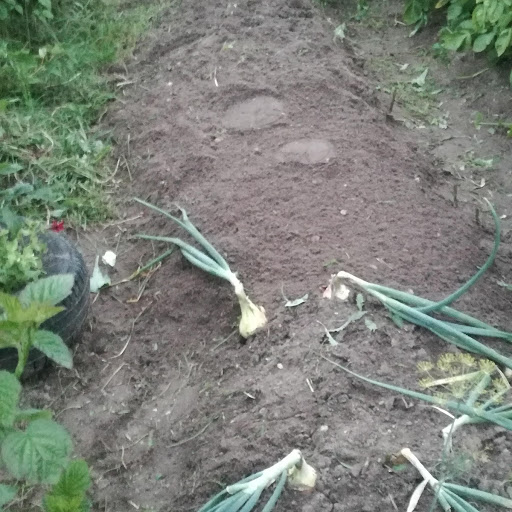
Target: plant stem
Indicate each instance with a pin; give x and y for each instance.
(268, 475)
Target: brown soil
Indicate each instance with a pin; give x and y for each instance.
(275, 140)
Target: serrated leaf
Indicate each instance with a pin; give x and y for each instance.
(74, 481)
(36, 313)
(9, 304)
(503, 41)
(370, 324)
(57, 503)
(296, 302)
(52, 346)
(98, 279)
(360, 301)
(10, 390)
(51, 290)
(11, 334)
(38, 454)
(482, 42)
(7, 494)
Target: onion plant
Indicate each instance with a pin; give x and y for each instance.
(253, 317)
(244, 495)
(453, 326)
(450, 496)
(488, 411)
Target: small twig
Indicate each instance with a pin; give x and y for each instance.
(112, 376)
(142, 269)
(392, 103)
(122, 458)
(183, 441)
(223, 341)
(474, 75)
(131, 332)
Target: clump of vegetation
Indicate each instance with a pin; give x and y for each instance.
(52, 92)
(482, 25)
(21, 316)
(35, 451)
(21, 251)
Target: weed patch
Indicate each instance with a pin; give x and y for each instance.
(53, 160)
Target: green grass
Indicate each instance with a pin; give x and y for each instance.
(53, 159)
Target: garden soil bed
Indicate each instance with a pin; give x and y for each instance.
(269, 133)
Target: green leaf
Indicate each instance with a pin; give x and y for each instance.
(51, 290)
(455, 40)
(10, 305)
(37, 313)
(7, 494)
(6, 169)
(52, 346)
(413, 12)
(28, 415)
(503, 41)
(360, 301)
(370, 324)
(10, 390)
(454, 11)
(74, 481)
(482, 42)
(38, 454)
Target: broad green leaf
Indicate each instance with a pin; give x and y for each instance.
(74, 481)
(38, 454)
(52, 346)
(57, 503)
(6, 169)
(35, 313)
(454, 11)
(503, 41)
(10, 305)
(28, 415)
(482, 42)
(10, 390)
(455, 40)
(7, 494)
(413, 12)
(51, 290)
(479, 17)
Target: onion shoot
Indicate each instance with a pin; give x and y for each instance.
(253, 317)
(243, 496)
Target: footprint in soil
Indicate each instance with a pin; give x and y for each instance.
(254, 113)
(307, 151)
